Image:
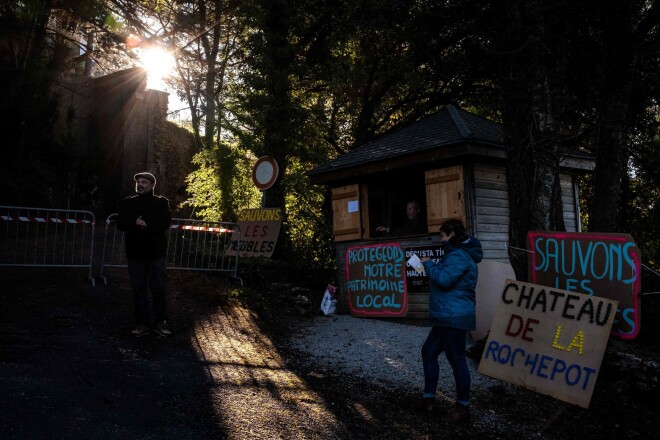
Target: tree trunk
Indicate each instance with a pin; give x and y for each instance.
(531, 131)
(629, 29)
(533, 176)
(611, 160)
(611, 154)
(278, 119)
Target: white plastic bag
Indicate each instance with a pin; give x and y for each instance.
(329, 302)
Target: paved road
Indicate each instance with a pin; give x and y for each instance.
(252, 391)
(69, 369)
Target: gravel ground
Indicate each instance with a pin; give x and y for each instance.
(385, 352)
(387, 355)
(380, 361)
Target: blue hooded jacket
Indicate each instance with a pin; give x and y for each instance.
(452, 280)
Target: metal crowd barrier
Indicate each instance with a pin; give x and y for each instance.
(39, 237)
(197, 245)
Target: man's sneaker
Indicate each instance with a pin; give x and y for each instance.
(140, 331)
(161, 329)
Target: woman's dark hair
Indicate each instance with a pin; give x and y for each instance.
(455, 226)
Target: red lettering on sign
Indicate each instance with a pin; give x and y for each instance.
(520, 327)
(256, 231)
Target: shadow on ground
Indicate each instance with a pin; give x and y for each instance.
(70, 370)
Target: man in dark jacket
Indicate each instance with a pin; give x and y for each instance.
(146, 217)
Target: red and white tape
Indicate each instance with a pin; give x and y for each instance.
(22, 218)
(196, 228)
(199, 228)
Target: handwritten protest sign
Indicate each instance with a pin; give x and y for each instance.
(376, 280)
(548, 340)
(606, 265)
(418, 282)
(259, 231)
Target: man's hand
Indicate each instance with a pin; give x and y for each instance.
(425, 259)
(140, 223)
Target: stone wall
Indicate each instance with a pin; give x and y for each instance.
(172, 159)
(75, 94)
(122, 129)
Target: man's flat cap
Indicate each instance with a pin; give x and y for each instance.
(146, 175)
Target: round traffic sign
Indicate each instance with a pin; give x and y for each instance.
(265, 172)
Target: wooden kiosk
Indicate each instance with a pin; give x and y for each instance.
(453, 164)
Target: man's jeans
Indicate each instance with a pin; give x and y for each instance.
(152, 273)
(452, 342)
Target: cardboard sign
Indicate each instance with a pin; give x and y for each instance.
(376, 280)
(491, 273)
(418, 282)
(606, 265)
(259, 231)
(548, 340)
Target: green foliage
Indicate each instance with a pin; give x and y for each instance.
(111, 22)
(585, 190)
(307, 213)
(641, 207)
(204, 188)
(309, 220)
(641, 212)
(305, 81)
(644, 221)
(372, 66)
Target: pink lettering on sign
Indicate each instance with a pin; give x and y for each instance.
(601, 264)
(376, 280)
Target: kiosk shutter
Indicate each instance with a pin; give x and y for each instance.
(445, 196)
(346, 213)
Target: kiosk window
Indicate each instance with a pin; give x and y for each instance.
(389, 213)
(379, 207)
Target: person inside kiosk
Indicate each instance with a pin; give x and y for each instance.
(415, 223)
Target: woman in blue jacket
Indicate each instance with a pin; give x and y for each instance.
(452, 313)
